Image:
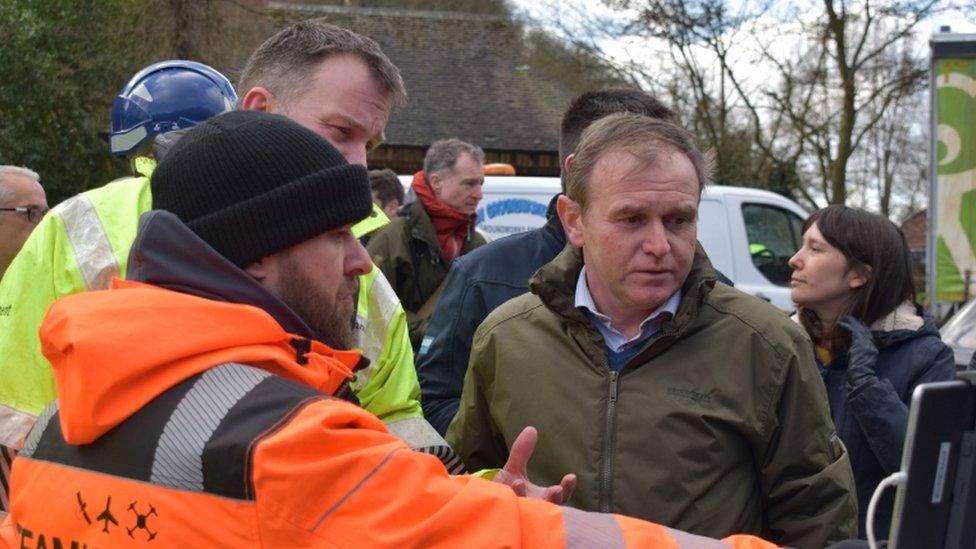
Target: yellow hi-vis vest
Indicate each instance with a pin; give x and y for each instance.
(84, 241)
(375, 220)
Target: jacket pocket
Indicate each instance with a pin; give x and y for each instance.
(837, 448)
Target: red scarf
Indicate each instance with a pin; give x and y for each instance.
(451, 225)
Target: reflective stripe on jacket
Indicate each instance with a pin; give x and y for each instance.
(388, 386)
(149, 444)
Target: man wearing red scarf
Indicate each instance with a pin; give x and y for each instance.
(416, 249)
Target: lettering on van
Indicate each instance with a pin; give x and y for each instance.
(518, 207)
(515, 206)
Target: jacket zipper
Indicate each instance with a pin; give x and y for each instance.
(606, 472)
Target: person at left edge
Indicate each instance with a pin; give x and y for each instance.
(22, 205)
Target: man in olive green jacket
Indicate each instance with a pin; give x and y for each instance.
(673, 398)
(417, 248)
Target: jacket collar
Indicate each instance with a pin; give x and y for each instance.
(904, 317)
(555, 284)
(166, 253)
(421, 227)
(907, 321)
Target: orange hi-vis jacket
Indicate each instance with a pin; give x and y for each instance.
(188, 422)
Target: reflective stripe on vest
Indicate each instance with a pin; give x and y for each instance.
(40, 426)
(93, 251)
(686, 540)
(376, 305)
(585, 529)
(14, 426)
(179, 456)
(422, 437)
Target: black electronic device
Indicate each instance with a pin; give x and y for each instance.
(936, 506)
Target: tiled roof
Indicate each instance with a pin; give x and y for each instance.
(465, 77)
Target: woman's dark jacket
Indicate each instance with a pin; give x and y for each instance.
(871, 419)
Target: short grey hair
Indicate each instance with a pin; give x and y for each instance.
(6, 170)
(643, 137)
(444, 154)
(283, 63)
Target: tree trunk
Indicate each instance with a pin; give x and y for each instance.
(836, 25)
(182, 19)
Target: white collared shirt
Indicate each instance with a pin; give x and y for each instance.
(615, 340)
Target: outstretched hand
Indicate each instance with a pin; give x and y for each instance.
(514, 473)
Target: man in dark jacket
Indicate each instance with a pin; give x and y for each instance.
(417, 248)
(489, 276)
(671, 397)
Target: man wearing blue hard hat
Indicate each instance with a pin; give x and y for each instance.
(164, 97)
(85, 240)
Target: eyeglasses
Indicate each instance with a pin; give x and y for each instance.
(34, 214)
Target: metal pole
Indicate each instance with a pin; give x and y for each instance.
(965, 290)
(930, 237)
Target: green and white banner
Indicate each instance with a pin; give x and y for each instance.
(955, 189)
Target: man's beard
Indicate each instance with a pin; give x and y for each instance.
(333, 327)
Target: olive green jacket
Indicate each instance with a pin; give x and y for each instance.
(719, 425)
(408, 253)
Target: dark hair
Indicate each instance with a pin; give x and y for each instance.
(283, 63)
(645, 138)
(594, 105)
(866, 240)
(386, 185)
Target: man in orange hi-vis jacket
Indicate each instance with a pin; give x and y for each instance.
(204, 402)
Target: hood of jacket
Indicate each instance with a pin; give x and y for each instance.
(908, 321)
(114, 351)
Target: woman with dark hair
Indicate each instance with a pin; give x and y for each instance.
(852, 284)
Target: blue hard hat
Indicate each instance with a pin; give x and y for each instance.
(167, 96)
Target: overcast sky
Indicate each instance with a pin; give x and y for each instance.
(545, 11)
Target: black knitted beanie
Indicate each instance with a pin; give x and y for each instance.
(251, 184)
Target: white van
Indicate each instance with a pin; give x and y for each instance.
(749, 234)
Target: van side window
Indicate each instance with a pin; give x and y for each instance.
(774, 236)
